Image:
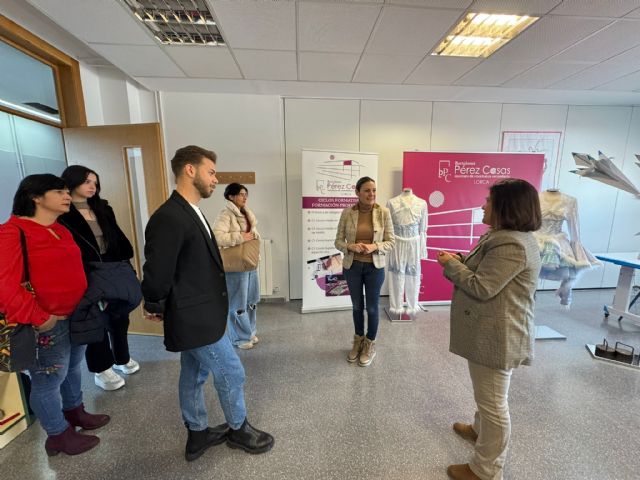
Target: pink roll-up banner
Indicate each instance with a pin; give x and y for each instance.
(455, 186)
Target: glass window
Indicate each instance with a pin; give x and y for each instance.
(27, 85)
(26, 147)
(41, 147)
(10, 171)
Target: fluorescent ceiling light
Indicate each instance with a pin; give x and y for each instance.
(30, 111)
(177, 22)
(481, 34)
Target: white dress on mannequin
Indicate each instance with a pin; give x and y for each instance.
(563, 257)
(409, 216)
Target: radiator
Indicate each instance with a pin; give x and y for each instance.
(265, 267)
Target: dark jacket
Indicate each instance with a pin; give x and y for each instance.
(111, 284)
(118, 250)
(183, 277)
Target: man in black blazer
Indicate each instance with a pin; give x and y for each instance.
(184, 286)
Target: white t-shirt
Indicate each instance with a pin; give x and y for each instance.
(204, 222)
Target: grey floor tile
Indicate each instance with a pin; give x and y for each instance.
(573, 417)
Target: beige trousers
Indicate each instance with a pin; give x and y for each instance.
(492, 420)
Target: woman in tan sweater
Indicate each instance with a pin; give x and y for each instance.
(365, 235)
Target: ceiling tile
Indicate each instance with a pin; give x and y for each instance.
(338, 1)
(327, 67)
(606, 43)
(460, 4)
(140, 61)
(385, 68)
(257, 25)
(441, 70)
(596, 8)
(545, 74)
(267, 64)
(604, 72)
(94, 21)
(492, 73)
(547, 37)
(335, 27)
(633, 14)
(628, 83)
(514, 7)
(411, 31)
(199, 61)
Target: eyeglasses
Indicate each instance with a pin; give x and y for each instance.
(243, 194)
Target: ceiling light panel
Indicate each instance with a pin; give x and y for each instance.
(177, 22)
(481, 34)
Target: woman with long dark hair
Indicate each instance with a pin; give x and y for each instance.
(492, 318)
(94, 228)
(58, 281)
(235, 225)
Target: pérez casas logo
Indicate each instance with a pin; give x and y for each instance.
(470, 169)
(443, 170)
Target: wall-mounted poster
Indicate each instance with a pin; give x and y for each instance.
(537, 142)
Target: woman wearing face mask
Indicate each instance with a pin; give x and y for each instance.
(365, 235)
(492, 318)
(93, 225)
(58, 281)
(235, 225)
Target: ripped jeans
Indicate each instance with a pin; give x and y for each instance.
(55, 381)
(244, 294)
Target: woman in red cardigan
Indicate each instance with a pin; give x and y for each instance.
(59, 282)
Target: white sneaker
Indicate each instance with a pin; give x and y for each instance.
(245, 346)
(130, 367)
(254, 339)
(109, 380)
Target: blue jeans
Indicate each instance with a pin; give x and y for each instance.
(228, 378)
(365, 275)
(244, 294)
(55, 380)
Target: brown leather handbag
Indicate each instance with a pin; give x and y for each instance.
(241, 258)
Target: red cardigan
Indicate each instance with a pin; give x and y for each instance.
(55, 268)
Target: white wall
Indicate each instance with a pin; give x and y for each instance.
(245, 131)
(608, 217)
(111, 98)
(250, 132)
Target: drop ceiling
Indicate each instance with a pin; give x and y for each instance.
(578, 49)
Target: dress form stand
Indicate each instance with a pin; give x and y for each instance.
(543, 332)
(409, 217)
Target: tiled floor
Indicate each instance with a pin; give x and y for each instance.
(573, 417)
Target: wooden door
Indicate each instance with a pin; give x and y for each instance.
(130, 162)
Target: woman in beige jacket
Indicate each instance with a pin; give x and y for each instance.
(365, 235)
(492, 318)
(235, 225)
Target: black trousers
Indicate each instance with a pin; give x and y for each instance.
(114, 347)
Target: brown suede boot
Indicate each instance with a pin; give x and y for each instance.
(466, 431)
(368, 352)
(79, 417)
(353, 355)
(70, 442)
(461, 472)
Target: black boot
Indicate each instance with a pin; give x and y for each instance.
(199, 441)
(250, 439)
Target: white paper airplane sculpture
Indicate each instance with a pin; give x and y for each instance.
(604, 170)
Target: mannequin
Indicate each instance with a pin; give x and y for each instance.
(409, 216)
(563, 257)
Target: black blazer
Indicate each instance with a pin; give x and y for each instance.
(120, 250)
(183, 277)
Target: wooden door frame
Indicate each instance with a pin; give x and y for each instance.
(66, 74)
